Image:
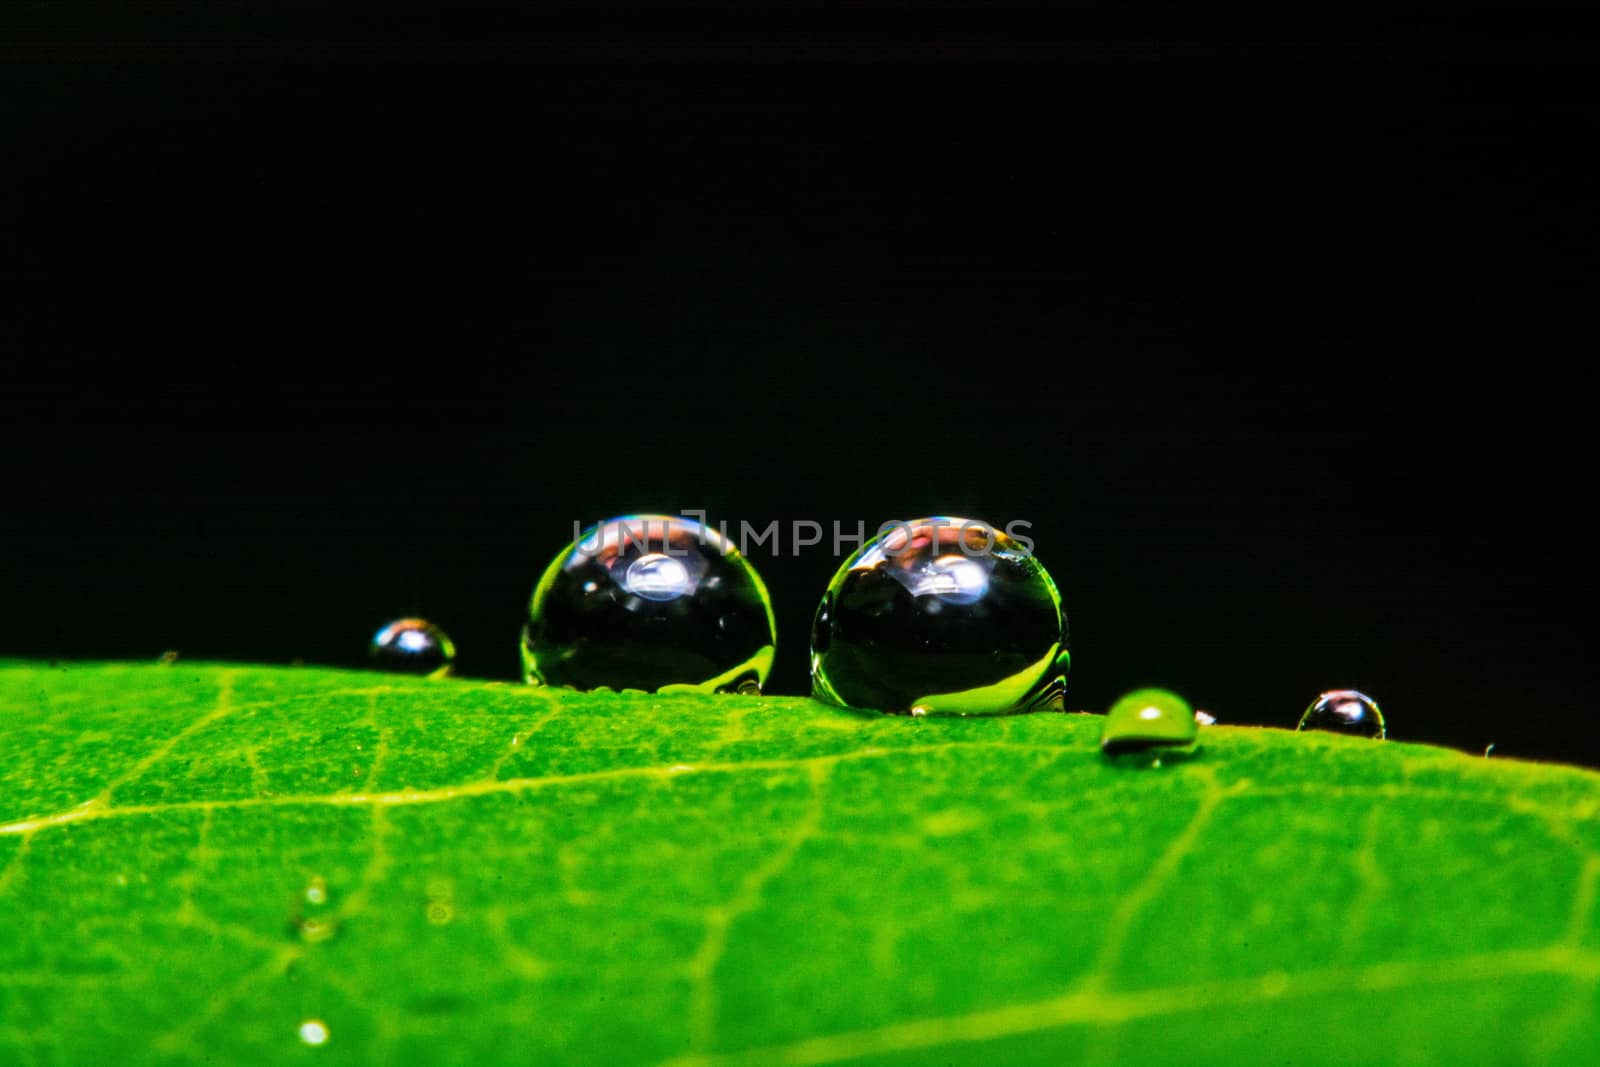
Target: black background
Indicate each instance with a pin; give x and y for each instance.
(1265, 324)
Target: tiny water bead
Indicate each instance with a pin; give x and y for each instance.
(651, 603)
(1344, 711)
(1148, 719)
(413, 646)
(314, 1032)
(940, 616)
(441, 904)
(315, 919)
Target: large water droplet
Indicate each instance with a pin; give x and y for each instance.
(651, 603)
(940, 616)
(1344, 711)
(413, 646)
(1147, 720)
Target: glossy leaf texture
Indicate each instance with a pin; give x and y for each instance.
(204, 863)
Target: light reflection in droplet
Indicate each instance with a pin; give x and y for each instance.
(952, 578)
(658, 578)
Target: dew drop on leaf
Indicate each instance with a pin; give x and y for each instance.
(413, 646)
(440, 910)
(314, 919)
(650, 603)
(314, 1032)
(1344, 711)
(940, 616)
(1146, 721)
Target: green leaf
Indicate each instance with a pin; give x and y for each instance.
(198, 861)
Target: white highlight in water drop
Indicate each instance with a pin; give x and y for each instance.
(658, 578)
(954, 578)
(314, 1032)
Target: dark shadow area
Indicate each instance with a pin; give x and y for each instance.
(1267, 335)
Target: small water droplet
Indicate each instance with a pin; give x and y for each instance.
(314, 1032)
(1204, 718)
(1148, 721)
(1344, 711)
(652, 603)
(940, 616)
(315, 921)
(440, 909)
(1488, 750)
(413, 646)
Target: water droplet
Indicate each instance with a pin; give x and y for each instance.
(1204, 718)
(1146, 720)
(1344, 711)
(441, 907)
(315, 921)
(314, 1032)
(413, 646)
(940, 616)
(650, 603)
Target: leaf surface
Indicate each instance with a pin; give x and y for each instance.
(205, 863)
